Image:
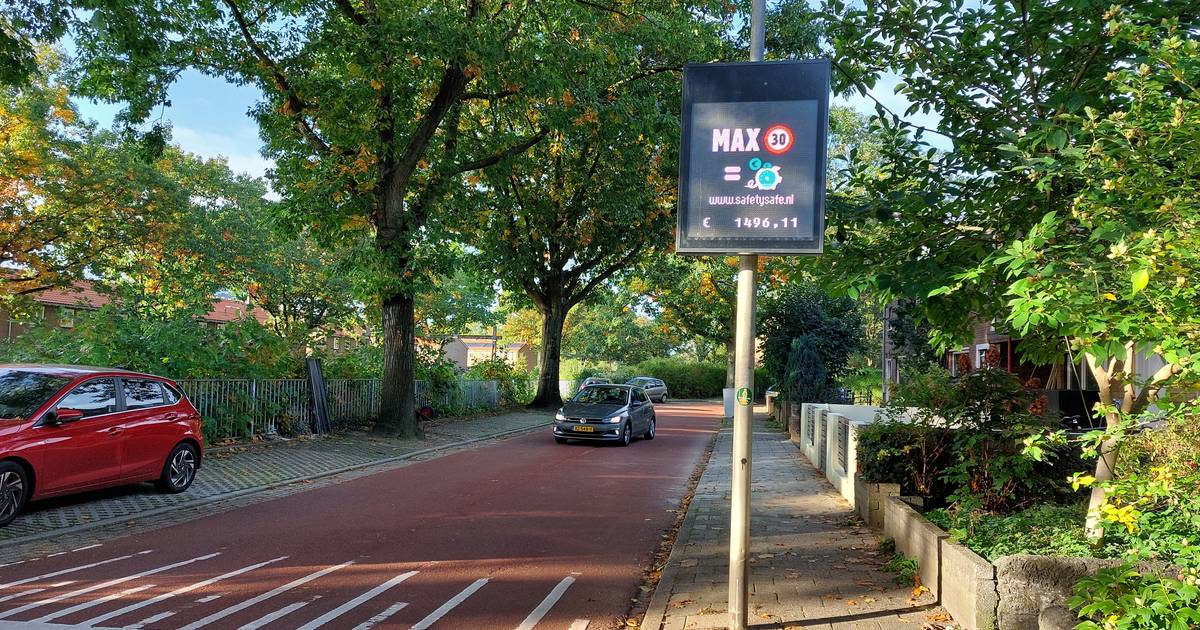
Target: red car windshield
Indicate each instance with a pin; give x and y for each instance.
(22, 392)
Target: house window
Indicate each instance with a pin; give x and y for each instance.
(981, 351)
(66, 317)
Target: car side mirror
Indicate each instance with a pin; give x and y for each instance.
(63, 416)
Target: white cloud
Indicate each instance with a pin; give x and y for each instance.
(238, 145)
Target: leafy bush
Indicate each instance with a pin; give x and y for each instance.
(913, 455)
(512, 382)
(1124, 597)
(979, 442)
(1045, 530)
(179, 347)
(905, 569)
(834, 324)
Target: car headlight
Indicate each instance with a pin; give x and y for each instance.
(560, 417)
(617, 419)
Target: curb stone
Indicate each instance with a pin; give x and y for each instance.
(84, 527)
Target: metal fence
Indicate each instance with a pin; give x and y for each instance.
(823, 427)
(244, 408)
(843, 443)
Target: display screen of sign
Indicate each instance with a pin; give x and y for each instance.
(752, 162)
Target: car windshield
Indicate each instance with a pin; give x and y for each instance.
(22, 392)
(640, 382)
(602, 396)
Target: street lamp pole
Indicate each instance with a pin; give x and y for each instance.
(743, 411)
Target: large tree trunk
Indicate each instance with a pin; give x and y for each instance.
(554, 314)
(397, 415)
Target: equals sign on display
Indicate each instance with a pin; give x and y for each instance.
(733, 173)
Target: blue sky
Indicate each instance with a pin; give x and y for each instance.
(209, 118)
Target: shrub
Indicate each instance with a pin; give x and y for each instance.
(684, 378)
(1045, 530)
(511, 381)
(981, 438)
(1124, 597)
(913, 455)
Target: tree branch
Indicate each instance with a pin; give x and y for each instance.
(512, 151)
(351, 12)
(294, 105)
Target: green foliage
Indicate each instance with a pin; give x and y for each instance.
(512, 381)
(905, 569)
(804, 378)
(179, 347)
(364, 360)
(1127, 598)
(911, 454)
(834, 325)
(684, 379)
(981, 439)
(608, 329)
(1051, 530)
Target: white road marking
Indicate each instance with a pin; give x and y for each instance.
(381, 617)
(86, 605)
(12, 564)
(149, 620)
(548, 603)
(102, 585)
(87, 547)
(580, 624)
(32, 591)
(71, 570)
(356, 602)
(205, 600)
(62, 584)
(179, 591)
(217, 616)
(55, 555)
(449, 605)
(282, 612)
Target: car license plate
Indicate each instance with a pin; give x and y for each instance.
(584, 429)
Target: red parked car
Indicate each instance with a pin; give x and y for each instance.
(67, 429)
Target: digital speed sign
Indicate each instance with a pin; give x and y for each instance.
(752, 158)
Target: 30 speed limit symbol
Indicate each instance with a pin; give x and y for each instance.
(779, 139)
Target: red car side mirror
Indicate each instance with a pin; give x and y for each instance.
(62, 416)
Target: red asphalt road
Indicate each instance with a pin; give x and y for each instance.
(525, 514)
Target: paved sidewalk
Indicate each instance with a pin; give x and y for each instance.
(281, 467)
(811, 564)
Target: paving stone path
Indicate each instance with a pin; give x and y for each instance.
(812, 564)
(235, 476)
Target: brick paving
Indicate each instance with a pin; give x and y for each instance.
(237, 476)
(812, 563)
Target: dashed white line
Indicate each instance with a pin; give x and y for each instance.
(547, 603)
(356, 602)
(449, 605)
(71, 570)
(205, 600)
(102, 585)
(381, 617)
(62, 584)
(149, 620)
(278, 614)
(32, 591)
(86, 605)
(87, 547)
(254, 601)
(179, 591)
(580, 624)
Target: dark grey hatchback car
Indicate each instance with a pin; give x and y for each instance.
(606, 413)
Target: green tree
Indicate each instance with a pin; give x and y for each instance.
(371, 111)
(70, 195)
(609, 328)
(833, 327)
(1062, 203)
(563, 219)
